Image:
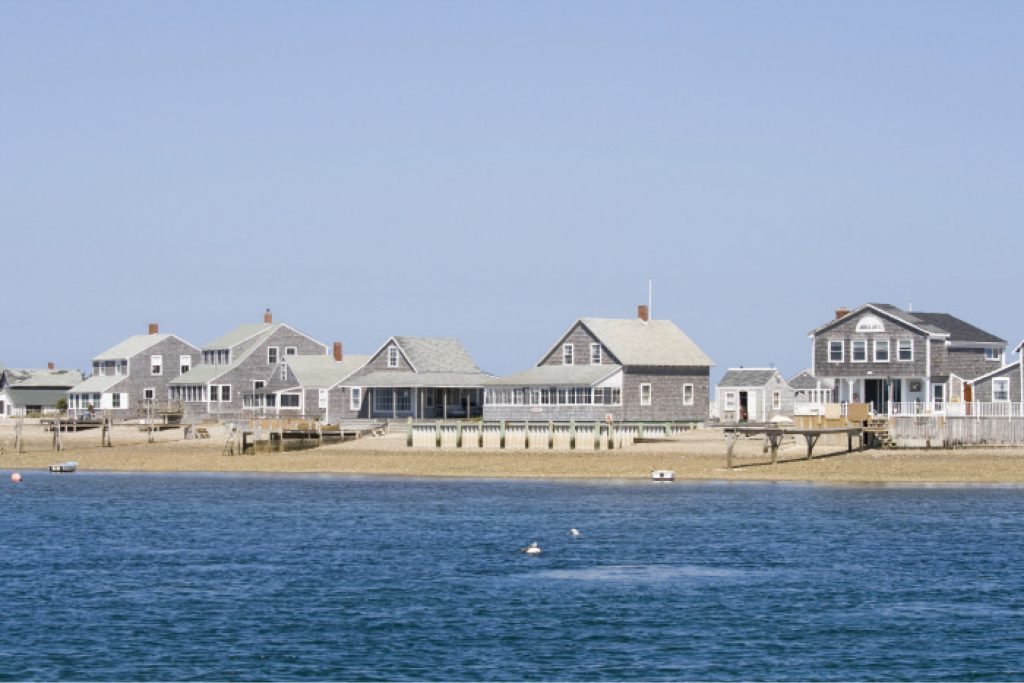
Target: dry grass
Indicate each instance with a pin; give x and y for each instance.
(696, 455)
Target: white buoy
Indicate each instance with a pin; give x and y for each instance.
(574, 532)
(532, 549)
(16, 478)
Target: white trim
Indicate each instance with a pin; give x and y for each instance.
(158, 360)
(993, 373)
(355, 399)
(571, 355)
(905, 360)
(595, 346)
(393, 356)
(888, 351)
(650, 394)
(853, 357)
(291, 351)
(885, 314)
(277, 355)
(688, 402)
(1001, 379)
(842, 349)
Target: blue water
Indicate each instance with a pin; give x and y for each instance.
(177, 577)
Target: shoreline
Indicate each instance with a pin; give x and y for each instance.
(698, 456)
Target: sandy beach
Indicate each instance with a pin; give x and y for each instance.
(697, 455)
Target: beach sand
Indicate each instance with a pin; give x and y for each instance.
(696, 455)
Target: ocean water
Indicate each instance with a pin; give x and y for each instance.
(200, 577)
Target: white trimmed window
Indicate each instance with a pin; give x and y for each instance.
(392, 356)
(115, 400)
(289, 401)
(905, 349)
(149, 393)
(214, 392)
(881, 350)
(859, 350)
(1001, 389)
(355, 399)
(993, 354)
(776, 400)
(730, 400)
(567, 354)
(284, 372)
(272, 355)
(595, 354)
(290, 350)
(156, 365)
(687, 394)
(322, 404)
(645, 394)
(185, 363)
(835, 351)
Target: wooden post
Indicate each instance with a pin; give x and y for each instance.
(458, 435)
(19, 444)
(437, 434)
(551, 434)
(730, 439)
(572, 435)
(597, 435)
(526, 435)
(811, 440)
(501, 434)
(480, 435)
(280, 435)
(408, 433)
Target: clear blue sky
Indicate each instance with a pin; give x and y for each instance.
(492, 171)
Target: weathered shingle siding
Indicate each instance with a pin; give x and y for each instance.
(380, 363)
(846, 332)
(581, 339)
(983, 388)
(965, 363)
(666, 394)
(140, 377)
(340, 399)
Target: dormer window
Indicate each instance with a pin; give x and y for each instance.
(595, 354)
(992, 354)
(567, 354)
(392, 356)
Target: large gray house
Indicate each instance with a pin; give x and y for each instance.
(235, 368)
(882, 354)
(135, 374)
(419, 377)
(630, 369)
(311, 387)
(25, 390)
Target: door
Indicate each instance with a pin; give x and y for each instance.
(744, 414)
(874, 394)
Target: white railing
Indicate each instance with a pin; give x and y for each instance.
(958, 409)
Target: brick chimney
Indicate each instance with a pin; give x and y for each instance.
(337, 351)
(842, 313)
(642, 312)
(154, 328)
(50, 366)
(268, 317)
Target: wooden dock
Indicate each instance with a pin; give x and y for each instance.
(773, 437)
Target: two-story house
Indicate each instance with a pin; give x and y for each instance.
(235, 367)
(134, 374)
(311, 387)
(630, 369)
(883, 355)
(419, 377)
(24, 390)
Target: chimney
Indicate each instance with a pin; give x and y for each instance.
(154, 328)
(643, 312)
(842, 313)
(337, 351)
(268, 318)
(50, 366)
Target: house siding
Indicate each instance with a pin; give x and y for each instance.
(666, 394)
(983, 388)
(581, 339)
(964, 363)
(380, 362)
(846, 332)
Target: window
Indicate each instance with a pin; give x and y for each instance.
(881, 350)
(382, 401)
(393, 357)
(225, 393)
(687, 394)
(322, 403)
(258, 384)
(121, 367)
(835, 351)
(148, 394)
(403, 400)
(214, 393)
(859, 351)
(156, 365)
(645, 394)
(272, 355)
(730, 400)
(567, 354)
(939, 394)
(290, 400)
(185, 363)
(776, 400)
(284, 372)
(993, 354)
(595, 354)
(1001, 389)
(115, 400)
(355, 399)
(290, 350)
(905, 349)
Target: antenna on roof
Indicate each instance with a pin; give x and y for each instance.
(910, 307)
(650, 298)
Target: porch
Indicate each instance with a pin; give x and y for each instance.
(425, 402)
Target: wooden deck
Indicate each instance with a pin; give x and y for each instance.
(773, 438)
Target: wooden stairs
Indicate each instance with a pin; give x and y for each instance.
(878, 430)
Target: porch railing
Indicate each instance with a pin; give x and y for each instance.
(958, 409)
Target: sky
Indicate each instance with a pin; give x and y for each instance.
(493, 171)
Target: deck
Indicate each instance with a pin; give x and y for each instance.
(773, 438)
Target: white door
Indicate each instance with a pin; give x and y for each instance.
(752, 407)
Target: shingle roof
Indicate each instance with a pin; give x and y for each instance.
(23, 378)
(436, 354)
(1014, 366)
(239, 335)
(747, 377)
(97, 384)
(958, 330)
(201, 374)
(323, 372)
(805, 380)
(557, 376)
(653, 343)
(36, 397)
(131, 346)
(394, 378)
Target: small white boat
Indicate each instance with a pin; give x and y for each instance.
(69, 466)
(532, 549)
(663, 475)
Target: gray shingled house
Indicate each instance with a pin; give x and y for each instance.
(310, 386)
(419, 377)
(631, 370)
(24, 391)
(133, 375)
(236, 366)
(885, 356)
(1005, 385)
(753, 395)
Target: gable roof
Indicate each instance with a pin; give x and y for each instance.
(238, 335)
(323, 372)
(995, 373)
(24, 378)
(941, 324)
(36, 396)
(748, 377)
(633, 341)
(97, 384)
(132, 346)
(203, 373)
(436, 354)
(805, 380)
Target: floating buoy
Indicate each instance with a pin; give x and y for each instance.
(16, 478)
(532, 549)
(574, 532)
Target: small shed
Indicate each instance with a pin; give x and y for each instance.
(753, 395)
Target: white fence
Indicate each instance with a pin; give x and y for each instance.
(939, 430)
(978, 409)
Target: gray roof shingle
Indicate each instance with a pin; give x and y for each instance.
(657, 343)
(557, 376)
(747, 377)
